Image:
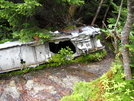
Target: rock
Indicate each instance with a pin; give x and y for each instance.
(19, 80)
(10, 92)
(35, 87)
(12, 84)
(67, 82)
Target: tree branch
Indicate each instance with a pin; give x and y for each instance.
(97, 12)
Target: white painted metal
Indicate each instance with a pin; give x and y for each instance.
(9, 58)
(32, 53)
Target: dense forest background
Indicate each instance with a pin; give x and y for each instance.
(22, 19)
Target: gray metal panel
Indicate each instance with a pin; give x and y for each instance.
(49, 54)
(9, 58)
(28, 55)
(40, 53)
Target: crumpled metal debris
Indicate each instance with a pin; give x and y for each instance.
(84, 38)
(19, 55)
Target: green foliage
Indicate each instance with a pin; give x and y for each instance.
(115, 12)
(112, 20)
(79, 94)
(28, 34)
(19, 16)
(14, 13)
(74, 1)
(24, 35)
(5, 32)
(115, 87)
(23, 16)
(64, 56)
(27, 8)
(69, 1)
(96, 56)
(112, 29)
(111, 86)
(66, 53)
(70, 27)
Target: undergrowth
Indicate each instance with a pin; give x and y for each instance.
(63, 57)
(111, 86)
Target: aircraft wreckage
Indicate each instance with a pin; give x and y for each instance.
(80, 40)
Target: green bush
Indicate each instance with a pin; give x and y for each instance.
(63, 57)
(28, 34)
(111, 86)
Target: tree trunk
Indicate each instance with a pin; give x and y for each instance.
(125, 39)
(97, 12)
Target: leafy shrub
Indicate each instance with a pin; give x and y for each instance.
(19, 17)
(64, 56)
(111, 86)
(27, 34)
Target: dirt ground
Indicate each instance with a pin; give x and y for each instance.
(51, 84)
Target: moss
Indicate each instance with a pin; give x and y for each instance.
(96, 56)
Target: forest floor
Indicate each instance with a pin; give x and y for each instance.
(51, 84)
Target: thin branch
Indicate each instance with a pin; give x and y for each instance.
(107, 30)
(97, 12)
(118, 15)
(116, 36)
(104, 18)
